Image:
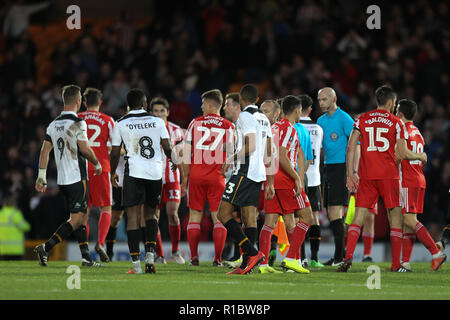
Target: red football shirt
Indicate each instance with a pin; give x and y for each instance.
(99, 131)
(285, 135)
(176, 136)
(379, 130)
(207, 136)
(411, 170)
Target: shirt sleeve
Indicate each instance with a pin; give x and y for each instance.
(287, 137)
(188, 137)
(247, 123)
(356, 125)
(116, 139)
(48, 135)
(401, 132)
(81, 134)
(164, 132)
(348, 124)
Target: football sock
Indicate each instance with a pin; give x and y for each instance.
(407, 246)
(110, 240)
(298, 236)
(238, 236)
(337, 226)
(265, 242)
(352, 238)
(60, 234)
(314, 240)
(252, 235)
(193, 238)
(237, 252)
(81, 236)
(303, 250)
(158, 246)
(134, 236)
(396, 246)
(103, 226)
(151, 234)
(445, 238)
(175, 235)
(219, 238)
(424, 236)
(87, 230)
(368, 242)
(273, 242)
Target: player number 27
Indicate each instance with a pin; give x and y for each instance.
(206, 134)
(377, 137)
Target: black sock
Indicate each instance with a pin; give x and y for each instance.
(60, 234)
(237, 251)
(314, 240)
(81, 236)
(145, 240)
(134, 236)
(338, 231)
(273, 242)
(151, 234)
(110, 240)
(252, 235)
(239, 237)
(302, 250)
(445, 238)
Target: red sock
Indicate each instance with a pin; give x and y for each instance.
(159, 248)
(407, 246)
(424, 236)
(193, 238)
(396, 247)
(368, 242)
(298, 236)
(87, 230)
(175, 234)
(219, 237)
(264, 242)
(103, 226)
(352, 239)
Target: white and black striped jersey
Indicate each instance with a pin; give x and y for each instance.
(141, 134)
(316, 134)
(252, 120)
(63, 133)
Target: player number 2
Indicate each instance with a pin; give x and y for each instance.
(146, 145)
(418, 148)
(97, 132)
(206, 133)
(378, 138)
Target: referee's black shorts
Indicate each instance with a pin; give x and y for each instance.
(241, 191)
(137, 191)
(117, 199)
(335, 191)
(76, 196)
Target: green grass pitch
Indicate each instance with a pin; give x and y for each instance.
(28, 280)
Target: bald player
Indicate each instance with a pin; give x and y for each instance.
(337, 126)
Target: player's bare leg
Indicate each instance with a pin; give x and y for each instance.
(368, 236)
(219, 238)
(116, 216)
(354, 230)
(174, 229)
(438, 258)
(335, 214)
(225, 215)
(193, 234)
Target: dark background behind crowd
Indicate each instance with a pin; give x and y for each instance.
(185, 48)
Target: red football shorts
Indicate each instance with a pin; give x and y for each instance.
(100, 190)
(370, 190)
(201, 190)
(261, 201)
(170, 192)
(285, 202)
(411, 199)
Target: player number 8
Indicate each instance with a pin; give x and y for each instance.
(146, 144)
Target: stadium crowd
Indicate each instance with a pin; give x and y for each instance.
(287, 47)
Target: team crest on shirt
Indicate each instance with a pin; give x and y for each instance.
(334, 136)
